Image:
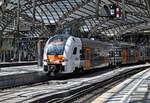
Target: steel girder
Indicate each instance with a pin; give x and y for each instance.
(67, 12)
(148, 6)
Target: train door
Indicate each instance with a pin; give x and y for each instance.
(141, 58)
(136, 56)
(87, 63)
(106, 57)
(124, 56)
(147, 58)
(75, 57)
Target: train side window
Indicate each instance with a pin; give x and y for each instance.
(82, 55)
(75, 51)
(141, 54)
(111, 53)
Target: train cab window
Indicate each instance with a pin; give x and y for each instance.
(75, 51)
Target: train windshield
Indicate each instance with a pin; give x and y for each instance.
(56, 49)
(57, 45)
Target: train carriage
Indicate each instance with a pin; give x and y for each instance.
(66, 54)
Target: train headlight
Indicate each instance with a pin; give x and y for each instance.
(52, 67)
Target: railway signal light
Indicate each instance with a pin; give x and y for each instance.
(112, 10)
(117, 13)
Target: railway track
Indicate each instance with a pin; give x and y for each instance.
(88, 95)
(101, 87)
(56, 91)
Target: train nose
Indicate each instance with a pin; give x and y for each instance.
(49, 68)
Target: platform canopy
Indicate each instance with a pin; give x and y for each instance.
(43, 18)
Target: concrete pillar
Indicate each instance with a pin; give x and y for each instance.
(1, 44)
(20, 54)
(4, 56)
(18, 16)
(0, 47)
(40, 56)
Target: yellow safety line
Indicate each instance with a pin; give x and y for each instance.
(101, 98)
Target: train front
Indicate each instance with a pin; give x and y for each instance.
(53, 54)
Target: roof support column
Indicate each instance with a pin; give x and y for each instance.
(40, 57)
(0, 46)
(18, 23)
(97, 13)
(18, 17)
(97, 8)
(33, 1)
(0, 39)
(123, 10)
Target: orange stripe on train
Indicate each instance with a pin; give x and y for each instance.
(105, 57)
(54, 57)
(57, 42)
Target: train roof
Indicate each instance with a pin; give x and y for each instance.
(89, 42)
(108, 43)
(61, 35)
(127, 44)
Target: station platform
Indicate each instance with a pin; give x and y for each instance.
(19, 75)
(19, 70)
(10, 64)
(136, 89)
